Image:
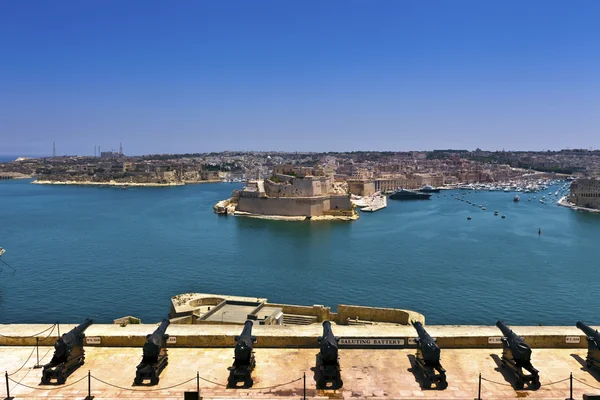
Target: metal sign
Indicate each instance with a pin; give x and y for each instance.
(172, 340)
(93, 340)
(572, 339)
(372, 342)
(495, 340)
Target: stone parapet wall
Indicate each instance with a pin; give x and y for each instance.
(273, 336)
(390, 315)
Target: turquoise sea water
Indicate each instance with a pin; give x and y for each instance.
(105, 253)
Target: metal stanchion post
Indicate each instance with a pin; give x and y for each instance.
(58, 327)
(479, 390)
(7, 387)
(305, 386)
(37, 351)
(570, 387)
(198, 383)
(89, 396)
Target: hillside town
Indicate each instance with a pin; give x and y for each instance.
(387, 170)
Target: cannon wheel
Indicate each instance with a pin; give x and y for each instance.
(154, 381)
(248, 382)
(320, 384)
(520, 384)
(137, 381)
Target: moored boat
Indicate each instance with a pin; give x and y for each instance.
(429, 189)
(404, 194)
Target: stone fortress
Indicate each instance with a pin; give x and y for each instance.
(295, 193)
(585, 193)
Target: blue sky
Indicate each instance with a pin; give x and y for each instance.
(194, 76)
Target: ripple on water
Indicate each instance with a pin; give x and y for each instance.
(105, 253)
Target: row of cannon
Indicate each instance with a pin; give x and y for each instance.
(69, 354)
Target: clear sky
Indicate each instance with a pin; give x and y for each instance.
(196, 76)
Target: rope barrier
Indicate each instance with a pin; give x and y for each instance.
(143, 390)
(554, 383)
(271, 387)
(496, 383)
(25, 363)
(44, 388)
(209, 381)
(32, 336)
(586, 384)
(32, 351)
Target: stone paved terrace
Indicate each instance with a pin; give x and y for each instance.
(373, 374)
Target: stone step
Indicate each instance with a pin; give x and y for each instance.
(290, 319)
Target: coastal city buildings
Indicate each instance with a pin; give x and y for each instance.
(280, 175)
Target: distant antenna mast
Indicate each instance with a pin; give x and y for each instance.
(53, 149)
(94, 150)
(121, 148)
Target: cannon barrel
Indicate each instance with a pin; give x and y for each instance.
(430, 351)
(245, 342)
(589, 331)
(520, 350)
(156, 340)
(329, 344)
(506, 331)
(423, 335)
(65, 343)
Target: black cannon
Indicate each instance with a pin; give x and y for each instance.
(427, 359)
(155, 357)
(516, 355)
(593, 341)
(68, 354)
(243, 362)
(328, 363)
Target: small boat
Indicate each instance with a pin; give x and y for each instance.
(504, 216)
(469, 217)
(496, 212)
(483, 208)
(516, 198)
(2, 251)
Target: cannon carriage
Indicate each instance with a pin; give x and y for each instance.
(155, 357)
(328, 364)
(593, 340)
(427, 359)
(516, 356)
(69, 354)
(244, 362)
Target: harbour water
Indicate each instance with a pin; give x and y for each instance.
(105, 253)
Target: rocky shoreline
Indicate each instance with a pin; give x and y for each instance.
(354, 217)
